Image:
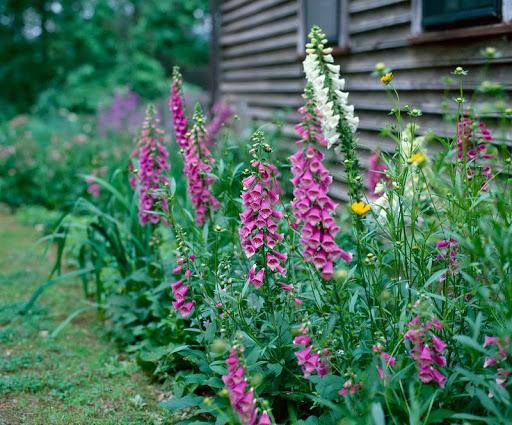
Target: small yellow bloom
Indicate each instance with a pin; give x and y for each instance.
(361, 208)
(386, 78)
(418, 158)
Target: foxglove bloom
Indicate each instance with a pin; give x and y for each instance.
(350, 388)
(259, 231)
(153, 163)
(447, 249)
(198, 160)
(176, 106)
(337, 117)
(240, 396)
(312, 205)
(387, 359)
(502, 353)
(198, 166)
(472, 149)
(427, 349)
(222, 112)
(180, 288)
(309, 360)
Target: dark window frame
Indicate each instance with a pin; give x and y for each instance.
(341, 43)
(465, 20)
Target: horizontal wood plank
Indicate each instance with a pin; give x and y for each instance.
(253, 20)
(285, 56)
(264, 31)
(366, 5)
(278, 42)
(251, 8)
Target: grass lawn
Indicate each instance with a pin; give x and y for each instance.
(78, 377)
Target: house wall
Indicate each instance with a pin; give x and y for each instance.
(261, 71)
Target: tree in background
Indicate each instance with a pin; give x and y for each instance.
(73, 53)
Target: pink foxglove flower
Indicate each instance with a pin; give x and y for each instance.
(309, 360)
(176, 106)
(222, 112)
(427, 350)
(448, 253)
(180, 289)
(198, 160)
(312, 205)
(501, 356)
(350, 388)
(241, 397)
(473, 138)
(93, 188)
(153, 163)
(387, 359)
(259, 233)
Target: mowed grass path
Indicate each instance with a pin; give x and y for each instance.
(78, 377)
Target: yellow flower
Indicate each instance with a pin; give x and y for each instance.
(418, 158)
(386, 78)
(361, 208)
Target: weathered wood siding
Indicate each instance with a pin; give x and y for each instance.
(261, 71)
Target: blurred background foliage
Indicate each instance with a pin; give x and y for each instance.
(73, 53)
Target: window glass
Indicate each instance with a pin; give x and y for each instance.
(326, 14)
(450, 13)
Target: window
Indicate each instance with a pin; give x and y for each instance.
(449, 13)
(330, 15)
(433, 15)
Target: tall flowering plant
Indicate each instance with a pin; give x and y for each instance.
(198, 168)
(153, 160)
(312, 205)
(259, 232)
(177, 109)
(198, 160)
(337, 117)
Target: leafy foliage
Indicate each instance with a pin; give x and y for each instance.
(74, 53)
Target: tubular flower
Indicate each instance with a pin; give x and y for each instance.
(183, 268)
(387, 360)
(242, 398)
(375, 176)
(198, 165)
(472, 144)
(197, 157)
(312, 206)
(153, 162)
(502, 350)
(427, 350)
(309, 360)
(448, 252)
(350, 388)
(176, 106)
(259, 234)
(337, 117)
(221, 114)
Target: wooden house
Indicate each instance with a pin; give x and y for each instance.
(259, 47)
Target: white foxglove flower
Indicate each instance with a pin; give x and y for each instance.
(325, 94)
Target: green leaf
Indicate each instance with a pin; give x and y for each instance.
(177, 403)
